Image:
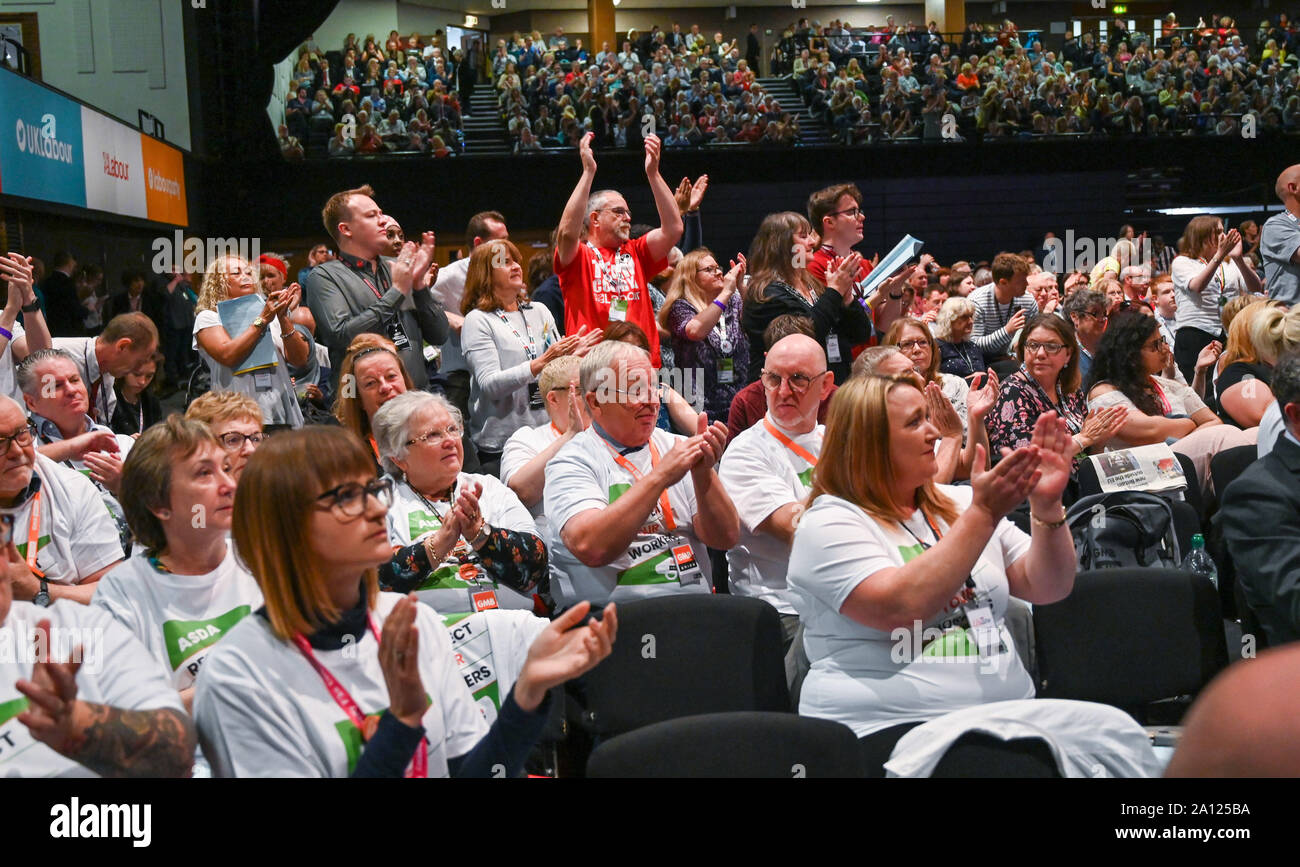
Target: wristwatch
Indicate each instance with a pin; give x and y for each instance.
(34, 307)
(483, 533)
(42, 597)
(898, 297)
(259, 323)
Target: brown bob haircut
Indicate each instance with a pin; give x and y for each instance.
(272, 522)
(855, 463)
(478, 276)
(1069, 377)
(147, 475)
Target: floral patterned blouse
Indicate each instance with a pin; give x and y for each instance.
(1020, 402)
(516, 559)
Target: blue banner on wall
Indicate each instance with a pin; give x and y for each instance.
(40, 143)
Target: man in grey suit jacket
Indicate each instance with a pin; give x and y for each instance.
(363, 292)
(1261, 519)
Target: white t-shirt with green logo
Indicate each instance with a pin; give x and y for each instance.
(76, 536)
(583, 475)
(524, 445)
(263, 711)
(178, 617)
(869, 679)
(761, 475)
(491, 648)
(448, 591)
(116, 670)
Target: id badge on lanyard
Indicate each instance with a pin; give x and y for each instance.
(982, 626)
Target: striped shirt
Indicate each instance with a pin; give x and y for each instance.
(990, 333)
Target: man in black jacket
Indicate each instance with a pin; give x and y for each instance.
(63, 312)
(1261, 519)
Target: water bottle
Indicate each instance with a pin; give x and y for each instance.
(1199, 561)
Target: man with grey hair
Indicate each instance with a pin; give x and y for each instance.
(1136, 280)
(603, 273)
(64, 540)
(631, 508)
(1086, 310)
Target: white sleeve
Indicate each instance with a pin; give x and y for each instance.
(837, 552)
(95, 542)
(1182, 270)
(507, 512)
(246, 730)
(111, 595)
(1112, 398)
(572, 487)
(463, 722)
(116, 669)
(1013, 540)
(757, 488)
(518, 451)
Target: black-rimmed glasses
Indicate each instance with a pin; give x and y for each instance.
(350, 497)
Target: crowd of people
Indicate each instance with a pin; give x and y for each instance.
(869, 84)
(399, 590)
(407, 96)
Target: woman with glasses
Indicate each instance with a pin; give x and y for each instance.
(184, 588)
(1126, 372)
(370, 375)
(1048, 381)
(465, 541)
(332, 678)
(958, 354)
(702, 312)
(781, 283)
(228, 278)
(235, 421)
(506, 342)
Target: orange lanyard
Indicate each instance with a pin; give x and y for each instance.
(623, 462)
(33, 535)
(556, 429)
(789, 443)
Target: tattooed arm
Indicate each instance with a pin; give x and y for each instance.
(110, 741)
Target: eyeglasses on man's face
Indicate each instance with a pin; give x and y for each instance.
(799, 382)
(618, 212)
(1100, 317)
(640, 394)
(851, 213)
(349, 498)
(21, 437)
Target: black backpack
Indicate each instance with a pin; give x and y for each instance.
(1124, 529)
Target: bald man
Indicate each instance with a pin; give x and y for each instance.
(1244, 724)
(1280, 241)
(767, 472)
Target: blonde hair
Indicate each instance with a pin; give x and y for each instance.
(215, 285)
(953, 309)
(218, 406)
(1241, 345)
(855, 463)
(272, 523)
(1275, 331)
(685, 285)
(478, 277)
(1234, 306)
(347, 408)
(559, 373)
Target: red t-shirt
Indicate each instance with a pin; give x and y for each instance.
(597, 276)
(822, 259)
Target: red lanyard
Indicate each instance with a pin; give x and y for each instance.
(419, 768)
(623, 462)
(33, 535)
(789, 443)
(556, 429)
(1164, 401)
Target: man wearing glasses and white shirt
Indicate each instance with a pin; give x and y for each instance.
(631, 507)
(768, 470)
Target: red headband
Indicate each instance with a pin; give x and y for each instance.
(276, 263)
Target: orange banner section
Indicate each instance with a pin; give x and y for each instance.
(164, 180)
